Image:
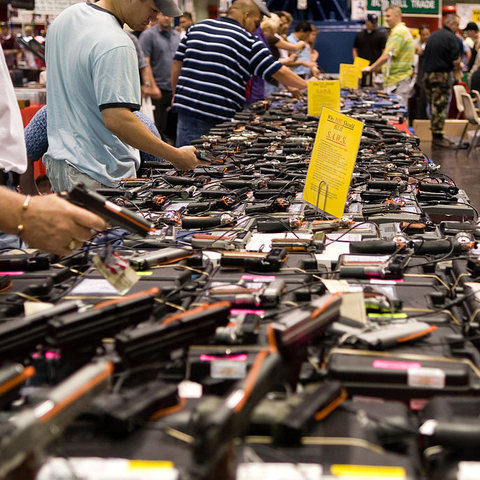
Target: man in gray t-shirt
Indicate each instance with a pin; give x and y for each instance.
(159, 43)
(93, 88)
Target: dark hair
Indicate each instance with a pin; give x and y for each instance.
(471, 26)
(424, 26)
(303, 26)
(187, 15)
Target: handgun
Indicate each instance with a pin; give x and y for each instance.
(265, 262)
(110, 212)
(32, 428)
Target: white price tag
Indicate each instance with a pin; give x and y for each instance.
(188, 389)
(468, 471)
(426, 377)
(92, 468)
(279, 471)
(231, 369)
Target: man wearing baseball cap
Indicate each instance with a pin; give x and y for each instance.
(370, 42)
(93, 88)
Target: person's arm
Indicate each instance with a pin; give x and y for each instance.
(378, 63)
(48, 222)
(149, 87)
(290, 79)
(290, 47)
(457, 69)
(126, 126)
(176, 68)
(354, 53)
(27, 183)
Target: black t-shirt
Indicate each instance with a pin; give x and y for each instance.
(370, 45)
(441, 50)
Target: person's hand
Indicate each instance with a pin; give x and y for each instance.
(367, 69)
(186, 159)
(53, 224)
(296, 93)
(151, 91)
(289, 59)
(300, 45)
(155, 92)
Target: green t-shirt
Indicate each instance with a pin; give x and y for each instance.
(400, 43)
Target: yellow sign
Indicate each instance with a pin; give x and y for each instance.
(475, 15)
(349, 75)
(333, 159)
(361, 63)
(368, 471)
(323, 93)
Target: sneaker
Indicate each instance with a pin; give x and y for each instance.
(442, 142)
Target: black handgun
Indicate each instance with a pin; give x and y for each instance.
(110, 212)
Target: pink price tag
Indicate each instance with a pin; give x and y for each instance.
(13, 273)
(237, 311)
(394, 365)
(234, 358)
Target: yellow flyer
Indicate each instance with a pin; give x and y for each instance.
(349, 75)
(361, 63)
(333, 159)
(323, 93)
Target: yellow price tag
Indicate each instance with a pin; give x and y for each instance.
(368, 471)
(149, 464)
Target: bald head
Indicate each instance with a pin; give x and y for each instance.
(452, 21)
(247, 14)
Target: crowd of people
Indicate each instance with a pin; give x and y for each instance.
(421, 72)
(97, 74)
(103, 57)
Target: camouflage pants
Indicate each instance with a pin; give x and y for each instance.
(437, 90)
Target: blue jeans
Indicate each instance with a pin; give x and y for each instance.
(190, 128)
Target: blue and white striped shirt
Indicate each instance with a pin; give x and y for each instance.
(219, 57)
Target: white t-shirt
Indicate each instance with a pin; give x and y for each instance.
(13, 154)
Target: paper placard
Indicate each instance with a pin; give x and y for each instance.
(323, 93)
(361, 63)
(349, 75)
(333, 159)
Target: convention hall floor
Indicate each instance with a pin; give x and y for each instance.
(464, 171)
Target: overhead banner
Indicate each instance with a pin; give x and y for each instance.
(425, 7)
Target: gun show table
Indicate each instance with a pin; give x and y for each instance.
(244, 333)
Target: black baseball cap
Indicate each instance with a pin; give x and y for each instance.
(168, 7)
(471, 26)
(371, 17)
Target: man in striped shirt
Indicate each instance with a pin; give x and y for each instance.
(397, 58)
(212, 65)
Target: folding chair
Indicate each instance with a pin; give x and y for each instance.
(471, 114)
